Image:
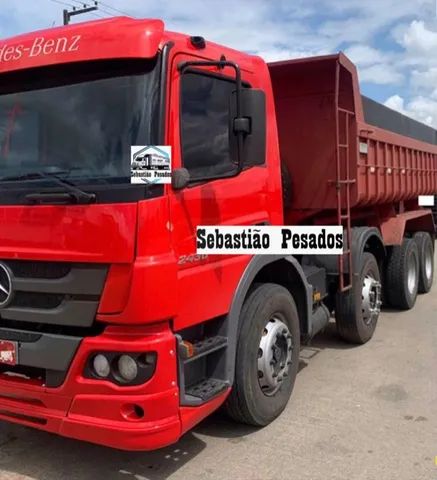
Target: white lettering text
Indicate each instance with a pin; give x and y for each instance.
(40, 47)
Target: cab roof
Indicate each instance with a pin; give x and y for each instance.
(113, 38)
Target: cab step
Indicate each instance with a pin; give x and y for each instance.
(192, 351)
(203, 367)
(205, 390)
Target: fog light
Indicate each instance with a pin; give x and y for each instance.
(127, 368)
(101, 366)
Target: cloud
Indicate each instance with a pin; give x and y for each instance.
(381, 74)
(424, 79)
(274, 55)
(360, 21)
(420, 108)
(423, 109)
(249, 25)
(418, 60)
(395, 102)
(364, 55)
(393, 43)
(253, 25)
(418, 39)
(375, 66)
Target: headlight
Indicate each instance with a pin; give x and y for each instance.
(121, 368)
(127, 368)
(101, 366)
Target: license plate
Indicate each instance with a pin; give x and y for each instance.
(8, 352)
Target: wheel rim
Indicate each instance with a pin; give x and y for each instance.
(372, 301)
(412, 274)
(274, 355)
(428, 263)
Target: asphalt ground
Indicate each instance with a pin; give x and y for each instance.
(357, 413)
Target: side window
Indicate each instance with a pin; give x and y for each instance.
(205, 124)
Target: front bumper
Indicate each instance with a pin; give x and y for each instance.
(99, 411)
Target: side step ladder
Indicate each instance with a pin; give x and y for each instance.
(201, 369)
(343, 184)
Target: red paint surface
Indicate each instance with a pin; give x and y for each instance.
(103, 39)
(92, 410)
(91, 233)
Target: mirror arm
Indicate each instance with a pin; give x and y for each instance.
(222, 64)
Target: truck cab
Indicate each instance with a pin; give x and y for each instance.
(115, 276)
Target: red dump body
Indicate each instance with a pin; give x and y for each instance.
(324, 138)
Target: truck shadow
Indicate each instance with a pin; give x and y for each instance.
(328, 339)
(41, 456)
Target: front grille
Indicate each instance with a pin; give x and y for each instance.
(16, 335)
(31, 269)
(54, 293)
(37, 300)
(52, 308)
(37, 328)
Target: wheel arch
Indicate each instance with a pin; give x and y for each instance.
(394, 228)
(421, 224)
(282, 270)
(364, 239)
(367, 239)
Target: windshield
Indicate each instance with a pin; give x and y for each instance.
(77, 122)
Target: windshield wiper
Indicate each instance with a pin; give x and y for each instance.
(72, 195)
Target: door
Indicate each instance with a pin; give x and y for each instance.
(200, 103)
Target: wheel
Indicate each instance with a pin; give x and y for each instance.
(403, 275)
(267, 356)
(426, 261)
(357, 310)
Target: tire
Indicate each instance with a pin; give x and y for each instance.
(357, 310)
(426, 260)
(265, 309)
(402, 287)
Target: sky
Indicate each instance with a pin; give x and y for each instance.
(393, 42)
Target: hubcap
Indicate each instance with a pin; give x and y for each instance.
(412, 274)
(372, 301)
(274, 356)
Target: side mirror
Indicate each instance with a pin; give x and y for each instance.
(180, 178)
(251, 125)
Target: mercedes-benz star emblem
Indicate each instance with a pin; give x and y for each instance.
(5, 286)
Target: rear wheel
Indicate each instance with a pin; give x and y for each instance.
(357, 310)
(402, 280)
(426, 260)
(267, 356)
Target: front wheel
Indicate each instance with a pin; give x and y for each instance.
(267, 356)
(357, 310)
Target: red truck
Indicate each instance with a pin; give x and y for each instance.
(113, 329)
